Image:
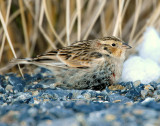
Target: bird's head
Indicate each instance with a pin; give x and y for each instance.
(112, 46)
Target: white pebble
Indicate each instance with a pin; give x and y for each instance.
(137, 68)
(150, 47)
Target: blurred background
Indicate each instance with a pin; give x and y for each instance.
(32, 27)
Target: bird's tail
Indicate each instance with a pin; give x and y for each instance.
(22, 61)
(45, 62)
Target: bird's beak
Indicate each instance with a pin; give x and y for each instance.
(126, 46)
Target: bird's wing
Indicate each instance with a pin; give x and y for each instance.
(49, 56)
(79, 54)
(49, 59)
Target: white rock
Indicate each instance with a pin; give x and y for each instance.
(137, 68)
(148, 100)
(150, 47)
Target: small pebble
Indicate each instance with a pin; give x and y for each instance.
(9, 87)
(137, 83)
(36, 101)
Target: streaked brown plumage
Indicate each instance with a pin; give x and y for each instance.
(87, 64)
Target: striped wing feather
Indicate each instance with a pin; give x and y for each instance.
(78, 54)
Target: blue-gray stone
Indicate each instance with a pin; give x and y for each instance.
(17, 82)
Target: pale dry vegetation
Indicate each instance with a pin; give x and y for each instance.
(31, 27)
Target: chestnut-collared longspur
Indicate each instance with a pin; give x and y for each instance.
(88, 64)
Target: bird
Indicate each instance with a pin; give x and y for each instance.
(87, 64)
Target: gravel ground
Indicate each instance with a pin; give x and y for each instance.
(35, 101)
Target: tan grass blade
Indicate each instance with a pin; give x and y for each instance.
(68, 21)
(95, 17)
(78, 3)
(24, 25)
(125, 8)
(119, 19)
(50, 24)
(9, 40)
(103, 24)
(90, 7)
(73, 20)
(154, 16)
(4, 36)
(41, 29)
(137, 13)
(35, 16)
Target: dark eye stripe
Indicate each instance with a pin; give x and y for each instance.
(96, 54)
(105, 48)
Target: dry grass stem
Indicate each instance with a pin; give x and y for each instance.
(50, 24)
(41, 29)
(78, 2)
(9, 40)
(150, 22)
(4, 36)
(96, 14)
(68, 21)
(103, 24)
(137, 12)
(46, 25)
(24, 25)
(118, 20)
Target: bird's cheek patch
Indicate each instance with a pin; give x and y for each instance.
(117, 52)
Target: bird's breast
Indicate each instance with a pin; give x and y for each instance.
(112, 70)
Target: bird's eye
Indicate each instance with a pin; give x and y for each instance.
(113, 44)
